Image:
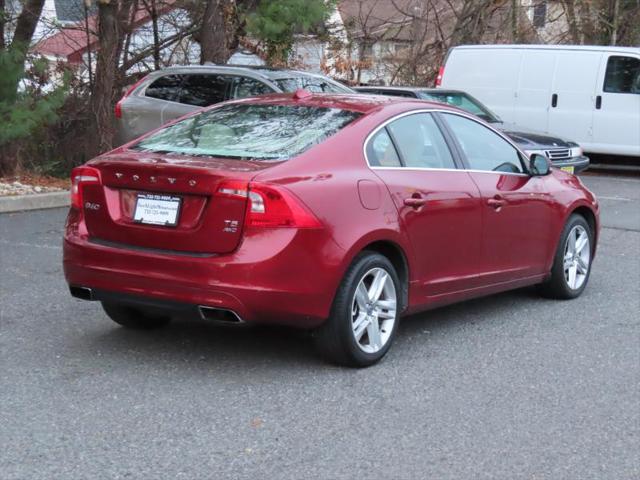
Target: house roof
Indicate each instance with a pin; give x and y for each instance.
(72, 41)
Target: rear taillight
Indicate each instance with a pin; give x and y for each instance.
(81, 176)
(270, 206)
(439, 77)
(118, 109)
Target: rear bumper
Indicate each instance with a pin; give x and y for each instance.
(579, 164)
(277, 276)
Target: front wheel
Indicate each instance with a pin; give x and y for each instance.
(364, 316)
(572, 262)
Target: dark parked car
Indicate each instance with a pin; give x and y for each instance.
(173, 92)
(563, 153)
(337, 213)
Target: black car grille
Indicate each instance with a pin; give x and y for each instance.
(558, 153)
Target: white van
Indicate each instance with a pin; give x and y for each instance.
(588, 94)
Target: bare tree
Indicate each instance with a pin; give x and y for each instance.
(23, 33)
(602, 22)
(109, 37)
(213, 32)
(2, 24)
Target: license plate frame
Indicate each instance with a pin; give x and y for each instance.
(164, 211)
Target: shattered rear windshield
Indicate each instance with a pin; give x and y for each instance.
(249, 132)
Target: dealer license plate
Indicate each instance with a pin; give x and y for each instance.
(156, 209)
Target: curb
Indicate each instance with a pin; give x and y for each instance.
(38, 201)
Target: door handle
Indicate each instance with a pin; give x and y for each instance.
(415, 202)
(554, 100)
(496, 202)
(598, 102)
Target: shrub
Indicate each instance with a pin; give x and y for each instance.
(27, 110)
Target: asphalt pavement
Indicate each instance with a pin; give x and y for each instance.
(510, 386)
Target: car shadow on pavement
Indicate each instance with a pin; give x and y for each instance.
(212, 346)
(474, 311)
(197, 341)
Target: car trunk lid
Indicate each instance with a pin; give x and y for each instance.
(139, 191)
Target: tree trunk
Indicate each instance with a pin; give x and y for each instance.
(213, 34)
(156, 36)
(572, 20)
(614, 22)
(103, 95)
(2, 22)
(23, 35)
(515, 32)
(26, 26)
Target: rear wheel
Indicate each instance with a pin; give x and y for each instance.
(364, 315)
(572, 262)
(136, 318)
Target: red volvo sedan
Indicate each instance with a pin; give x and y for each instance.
(337, 213)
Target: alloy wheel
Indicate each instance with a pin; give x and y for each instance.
(374, 310)
(577, 255)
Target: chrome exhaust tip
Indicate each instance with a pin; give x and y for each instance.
(223, 315)
(83, 293)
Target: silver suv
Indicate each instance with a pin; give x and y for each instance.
(175, 91)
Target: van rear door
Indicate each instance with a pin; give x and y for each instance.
(489, 74)
(571, 105)
(616, 121)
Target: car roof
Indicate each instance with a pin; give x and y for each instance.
(345, 101)
(269, 73)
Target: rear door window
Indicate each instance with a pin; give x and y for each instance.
(420, 142)
(202, 90)
(381, 152)
(165, 88)
(623, 75)
(242, 87)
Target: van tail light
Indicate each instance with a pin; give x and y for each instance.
(118, 109)
(270, 206)
(439, 77)
(81, 176)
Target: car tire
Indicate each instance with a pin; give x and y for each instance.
(374, 319)
(571, 263)
(134, 318)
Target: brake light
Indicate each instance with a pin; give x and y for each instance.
(118, 109)
(439, 77)
(81, 176)
(270, 206)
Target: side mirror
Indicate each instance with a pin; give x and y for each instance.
(539, 165)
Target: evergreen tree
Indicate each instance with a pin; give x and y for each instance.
(275, 22)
